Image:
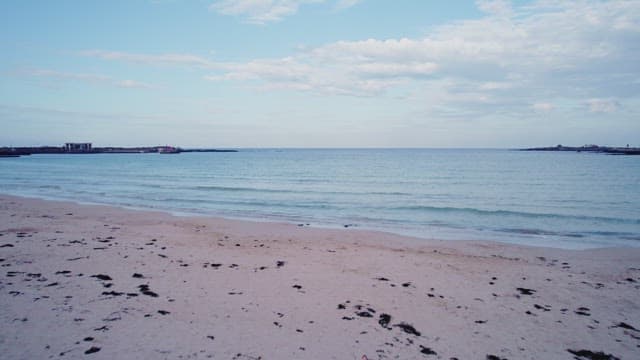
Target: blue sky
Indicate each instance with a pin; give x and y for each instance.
(320, 73)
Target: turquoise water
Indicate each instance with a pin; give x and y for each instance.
(566, 200)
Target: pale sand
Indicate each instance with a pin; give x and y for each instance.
(324, 301)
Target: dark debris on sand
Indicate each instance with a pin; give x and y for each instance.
(525, 291)
(409, 329)
(364, 314)
(427, 351)
(102, 277)
(493, 357)
(144, 289)
(625, 326)
(92, 350)
(584, 311)
(590, 355)
(384, 320)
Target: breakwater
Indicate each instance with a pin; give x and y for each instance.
(590, 148)
(21, 151)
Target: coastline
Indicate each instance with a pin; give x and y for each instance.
(394, 232)
(455, 194)
(146, 284)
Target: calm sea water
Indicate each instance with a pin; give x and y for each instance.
(567, 200)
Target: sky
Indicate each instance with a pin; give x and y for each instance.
(320, 73)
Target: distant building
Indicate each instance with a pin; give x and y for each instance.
(77, 147)
(168, 150)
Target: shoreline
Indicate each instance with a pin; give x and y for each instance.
(118, 283)
(552, 243)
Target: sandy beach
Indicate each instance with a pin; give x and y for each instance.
(85, 281)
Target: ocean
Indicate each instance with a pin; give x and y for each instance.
(556, 199)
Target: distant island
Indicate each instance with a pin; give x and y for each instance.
(590, 148)
(87, 148)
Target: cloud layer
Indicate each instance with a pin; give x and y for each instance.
(536, 54)
(265, 11)
(544, 57)
(160, 59)
(85, 77)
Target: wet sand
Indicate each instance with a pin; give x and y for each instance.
(85, 281)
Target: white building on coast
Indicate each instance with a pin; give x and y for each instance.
(77, 147)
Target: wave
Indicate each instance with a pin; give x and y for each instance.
(253, 203)
(238, 189)
(290, 191)
(392, 193)
(53, 187)
(516, 214)
(540, 232)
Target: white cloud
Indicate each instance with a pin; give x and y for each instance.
(85, 77)
(257, 11)
(496, 85)
(66, 75)
(550, 46)
(161, 59)
(291, 74)
(543, 107)
(506, 60)
(495, 7)
(46, 113)
(602, 105)
(133, 84)
(397, 69)
(343, 4)
(549, 49)
(265, 11)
